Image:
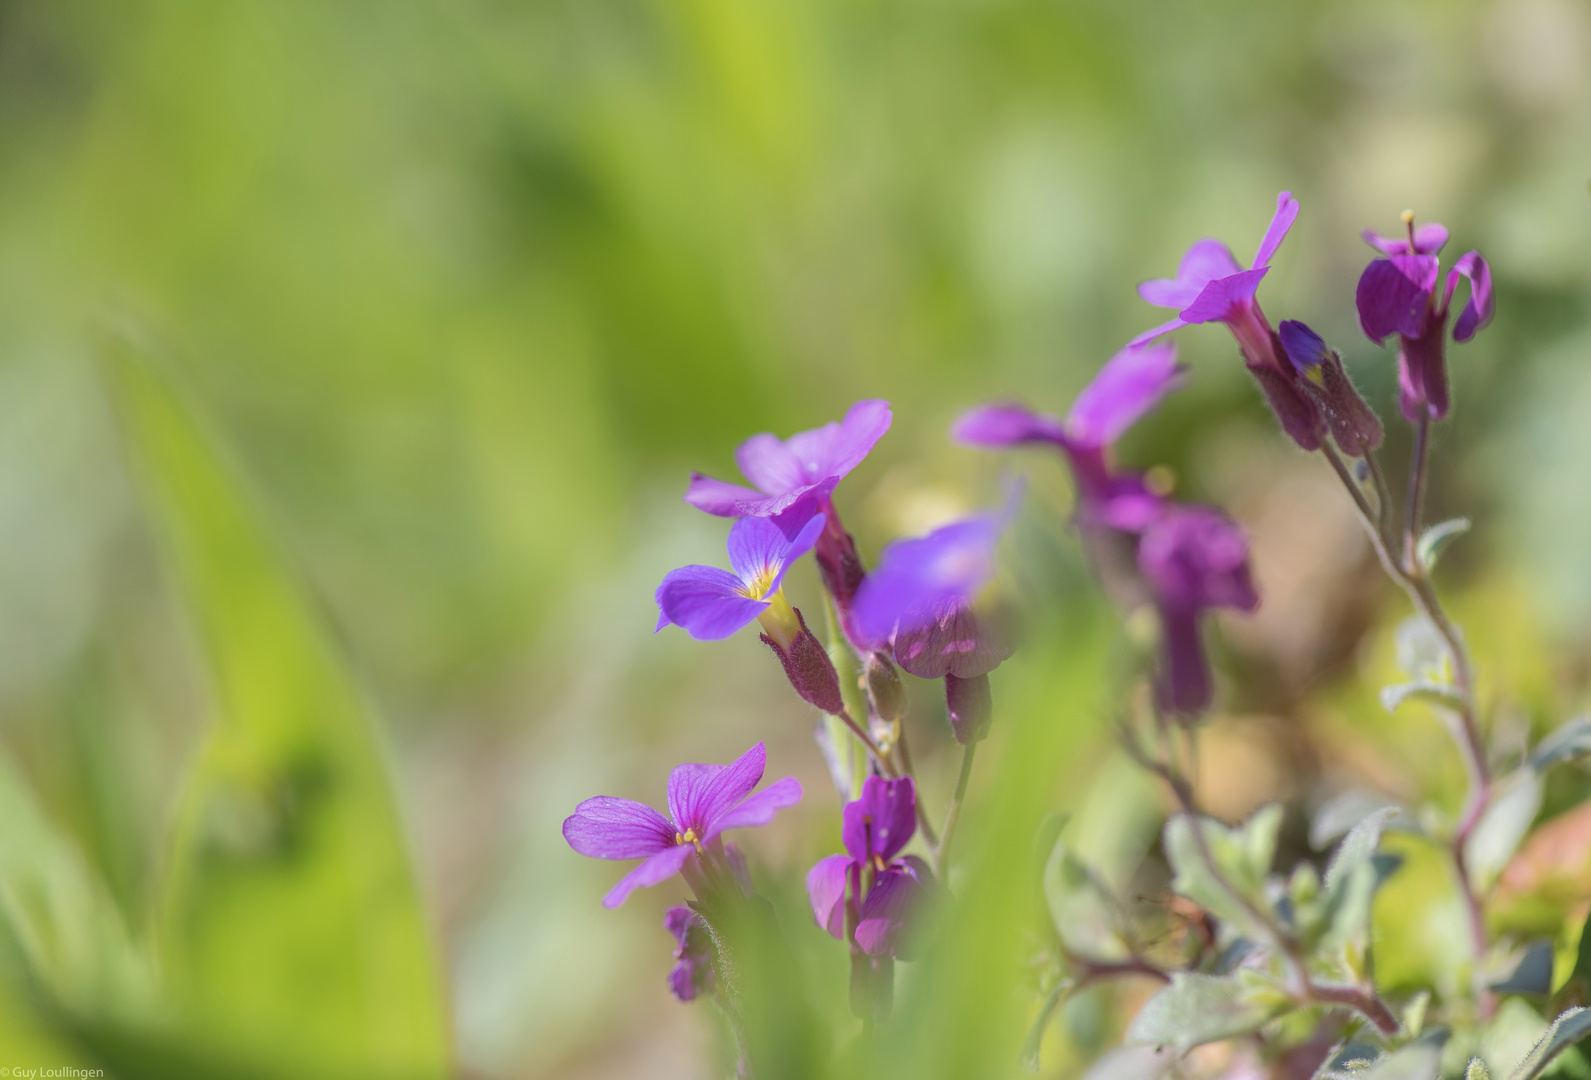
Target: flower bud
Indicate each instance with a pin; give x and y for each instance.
(807, 666)
(970, 705)
(884, 688)
(1297, 414)
(1322, 378)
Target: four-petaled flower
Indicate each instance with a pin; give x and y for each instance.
(1210, 286)
(711, 603)
(1130, 384)
(884, 891)
(1397, 295)
(703, 802)
(1194, 558)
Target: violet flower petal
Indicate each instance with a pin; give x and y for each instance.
(659, 868)
(885, 911)
(954, 642)
(1429, 239)
(1478, 311)
(606, 827)
(760, 553)
(698, 795)
(1130, 384)
(1160, 331)
(1393, 293)
(917, 579)
(708, 603)
(677, 920)
(1194, 557)
(826, 891)
(1184, 682)
(1007, 425)
(1204, 262)
(760, 808)
(1219, 300)
(720, 497)
(835, 449)
(1304, 347)
(1281, 221)
(770, 465)
(882, 821)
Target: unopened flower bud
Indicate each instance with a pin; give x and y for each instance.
(1352, 422)
(885, 688)
(807, 666)
(970, 705)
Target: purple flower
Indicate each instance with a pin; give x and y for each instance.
(1210, 286)
(1194, 558)
(1351, 421)
(1397, 295)
(783, 471)
(703, 801)
(918, 582)
(692, 973)
(712, 604)
(1130, 384)
(884, 892)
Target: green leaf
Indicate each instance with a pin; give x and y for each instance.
(1568, 1029)
(1417, 1061)
(1198, 1009)
(1350, 884)
(1434, 540)
(1421, 649)
(1477, 1070)
(1432, 693)
(1084, 914)
(1568, 741)
(1243, 856)
(1503, 826)
(292, 931)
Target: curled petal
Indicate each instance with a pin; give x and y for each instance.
(1478, 311)
(760, 808)
(1130, 384)
(1281, 221)
(659, 868)
(826, 891)
(1393, 294)
(610, 828)
(708, 603)
(1222, 299)
(886, 911)
(1429, 239)
(760, 553)
(1007, 425)
(882, 821)
(699, 795)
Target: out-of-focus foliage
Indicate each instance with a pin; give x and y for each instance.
(463, 288)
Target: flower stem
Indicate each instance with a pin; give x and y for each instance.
(953, 815)
(923, 824)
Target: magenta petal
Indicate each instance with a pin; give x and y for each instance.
(918, 579)
(769, 464)
(1219, 301)
(882, 821)
(760, 808)
(1184, 680)
(1478, 312)
(1286, 214)
(659, 868)
(826, 891)
(706, 601)
(836, 449)
(760, 553)
(1429, 239)
(885, 911)
(1393, 293)
(699, 795)
(611, 828)
(1158, 331)
(1196, 556)
(1130, 384)
(1205, 261)
(720, 498)
(1169, 292)
(1006, 425)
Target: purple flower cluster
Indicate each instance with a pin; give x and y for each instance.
(868, 896)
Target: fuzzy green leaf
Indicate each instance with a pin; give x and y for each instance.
(1568, 1029)
(1503, 826)
(1243, 857)
(1434, 540)
(1198, 1009)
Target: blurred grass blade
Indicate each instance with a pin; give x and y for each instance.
(292, 934)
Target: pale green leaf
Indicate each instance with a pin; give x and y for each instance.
(1477, 1070)
(1503, 826)
(293, 935)
(1432, 693)
(1417, 1061)
(1197, 1009)
(1083, 913)
(1568, 1029)
(1570, 740)
(1422, 652)
(1435, 540)
(1243, 856)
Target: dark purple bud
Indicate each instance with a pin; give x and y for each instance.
(1351, 420)
(809, 669)
(884, 688)
(1422, 370)
(970, 705)
(957, 643)
(1304, 347)
(1184, 682)
(693, 971)
(1293, 409)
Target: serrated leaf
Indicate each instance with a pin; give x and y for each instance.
(1243, 856)
(1435, 540)
(1502, 827)
(1570, 740)
(292, 933)
(1432, 693)
(1568, 1029)
(1197, 1009)
(1083, 913)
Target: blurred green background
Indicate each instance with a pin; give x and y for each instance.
(353, 358)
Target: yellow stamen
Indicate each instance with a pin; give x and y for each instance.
(688, 837)
(878, 863)
(1408, 223)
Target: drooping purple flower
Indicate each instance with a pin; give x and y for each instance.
(868, 894)
(710, 603)
(1397, 295)
(1350, 419)
(782, 471)
(1194, 558)
(703, 802)
(1210, 286)
(692, 973)
(1130, 384)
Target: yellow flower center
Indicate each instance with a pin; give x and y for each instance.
(688, 837)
